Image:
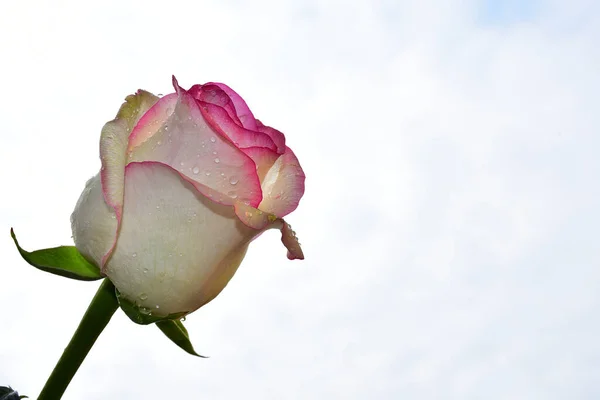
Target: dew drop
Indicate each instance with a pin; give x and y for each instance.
(233, 180)
(169, 111)
(213, 139)
(143, 296)
(159, 142)
(145, 270)
(181, 163)
(157, 306)
(214, 153)
(134, 255)
(196, 170)
(180, 254)
(207, 173)
(145, 311)
(217, 160)
(158, 207)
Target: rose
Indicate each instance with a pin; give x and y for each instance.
(187, 182)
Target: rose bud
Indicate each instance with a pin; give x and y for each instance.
(187, 182)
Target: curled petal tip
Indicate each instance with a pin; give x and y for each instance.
(290, 241)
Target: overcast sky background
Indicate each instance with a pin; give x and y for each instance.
(450, 222)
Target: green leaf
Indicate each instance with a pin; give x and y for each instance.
(143, 315)
(64, 261)
(175, 331)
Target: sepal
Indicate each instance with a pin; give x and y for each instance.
(174, 330)
(143, 315)
(63, 260)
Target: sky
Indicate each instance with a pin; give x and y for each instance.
(450, 221)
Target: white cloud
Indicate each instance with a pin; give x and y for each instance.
(450, 220)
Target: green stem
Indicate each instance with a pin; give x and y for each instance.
(101, 309)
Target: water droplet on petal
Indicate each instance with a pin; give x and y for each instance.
(158, 143)
(217, 160)
(195, 170)
(169, 111)
(143, 296)
(207, 173)
(157, 306)
(233, 180)
(134, 255)
(181, 163)
(145, 270)
(214, 153)
(213, 139)
(145, 311)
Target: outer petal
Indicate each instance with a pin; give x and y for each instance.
(93, 223)
(113, 145)
(242, 110)
(283, 185)
(176, 249)
(187, 143)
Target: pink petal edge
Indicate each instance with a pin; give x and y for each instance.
(242, 110)
(239, 136)
(152, 120)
